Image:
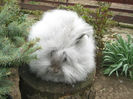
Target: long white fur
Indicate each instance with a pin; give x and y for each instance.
(58, 30)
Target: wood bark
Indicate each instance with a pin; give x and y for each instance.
(32, 87)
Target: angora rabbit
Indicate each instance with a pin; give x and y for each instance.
(67, 51)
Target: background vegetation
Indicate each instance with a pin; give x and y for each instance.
(14, 48)
(118, 57)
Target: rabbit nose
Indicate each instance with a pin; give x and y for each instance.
(54, 69)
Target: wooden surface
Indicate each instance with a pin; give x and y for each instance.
(119, 18)
(34, 88)
(35, 7)
(119, 1)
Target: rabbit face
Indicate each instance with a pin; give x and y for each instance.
(70, 63)
(58, 60)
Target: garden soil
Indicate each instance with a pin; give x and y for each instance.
(112, 87)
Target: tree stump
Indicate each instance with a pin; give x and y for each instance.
(32, 87)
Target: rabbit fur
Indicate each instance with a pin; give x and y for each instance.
(67, 51)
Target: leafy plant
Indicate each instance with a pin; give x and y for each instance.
(14, 48)
(118, 57)
(102, 22)
(36, 13)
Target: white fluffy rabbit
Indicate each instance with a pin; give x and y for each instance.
(68, 49)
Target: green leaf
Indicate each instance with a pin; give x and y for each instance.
(118, 56)
(107, 71)
(116, 68)
(131, 74)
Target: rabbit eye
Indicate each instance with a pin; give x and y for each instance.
(79, 38)
(65, 59)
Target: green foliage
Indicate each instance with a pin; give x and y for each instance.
(14, 48)
(100, 19)
(36, 13)
(118, 57)
(3, 1)
(102, 22)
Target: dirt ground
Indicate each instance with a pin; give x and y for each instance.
(113, 87)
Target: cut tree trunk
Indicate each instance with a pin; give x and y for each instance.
(32, 87)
